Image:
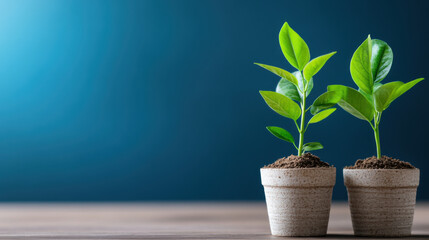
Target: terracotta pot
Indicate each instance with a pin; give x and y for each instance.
(298, 200)
(382, 201)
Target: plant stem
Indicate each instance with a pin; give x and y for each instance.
(376, 128)
(377, 141)
(302, 128)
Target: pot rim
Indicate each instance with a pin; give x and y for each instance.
(298, 177)
(390, 178)
(381, 169)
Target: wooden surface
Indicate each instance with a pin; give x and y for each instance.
(163, 221)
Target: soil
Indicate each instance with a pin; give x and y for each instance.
(307, 160)
(384, 162)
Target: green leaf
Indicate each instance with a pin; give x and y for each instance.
(310, 86)
(280, 72)
(360, 66)
(387, 93)
(300, 79)
(282, 134)
(324, 101)
(369, 96)
(288, 89)
(407, 86)
(321, 115)
(293, 47)
(381, 60)
(311, 146)
(282, 104)
(315, 65)
(354, 102)
(302, 82)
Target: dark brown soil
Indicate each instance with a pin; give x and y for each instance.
(384, 162)
(307, 160)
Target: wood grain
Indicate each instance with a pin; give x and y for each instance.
(238, 220)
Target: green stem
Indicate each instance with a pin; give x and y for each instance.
(377, 141)
(302, 128)
(376, 128)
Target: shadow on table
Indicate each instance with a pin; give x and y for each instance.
(344, 236)
(341, 236)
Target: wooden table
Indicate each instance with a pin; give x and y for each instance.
(238, 220)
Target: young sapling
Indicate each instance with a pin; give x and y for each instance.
(381, 190)
(370, 64)
(294, 88)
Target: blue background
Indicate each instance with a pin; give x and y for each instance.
(158, 100)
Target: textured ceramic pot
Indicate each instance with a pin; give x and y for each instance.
(382, 201)
(298, 200)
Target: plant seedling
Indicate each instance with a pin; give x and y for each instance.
(297, 86)
(370, 64)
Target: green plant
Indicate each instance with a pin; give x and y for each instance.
(297, 86)
(370, 64)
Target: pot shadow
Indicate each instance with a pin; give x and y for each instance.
(346, 236)
(349, 236)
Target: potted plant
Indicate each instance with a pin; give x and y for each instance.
(298, 189)
(381, 190)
